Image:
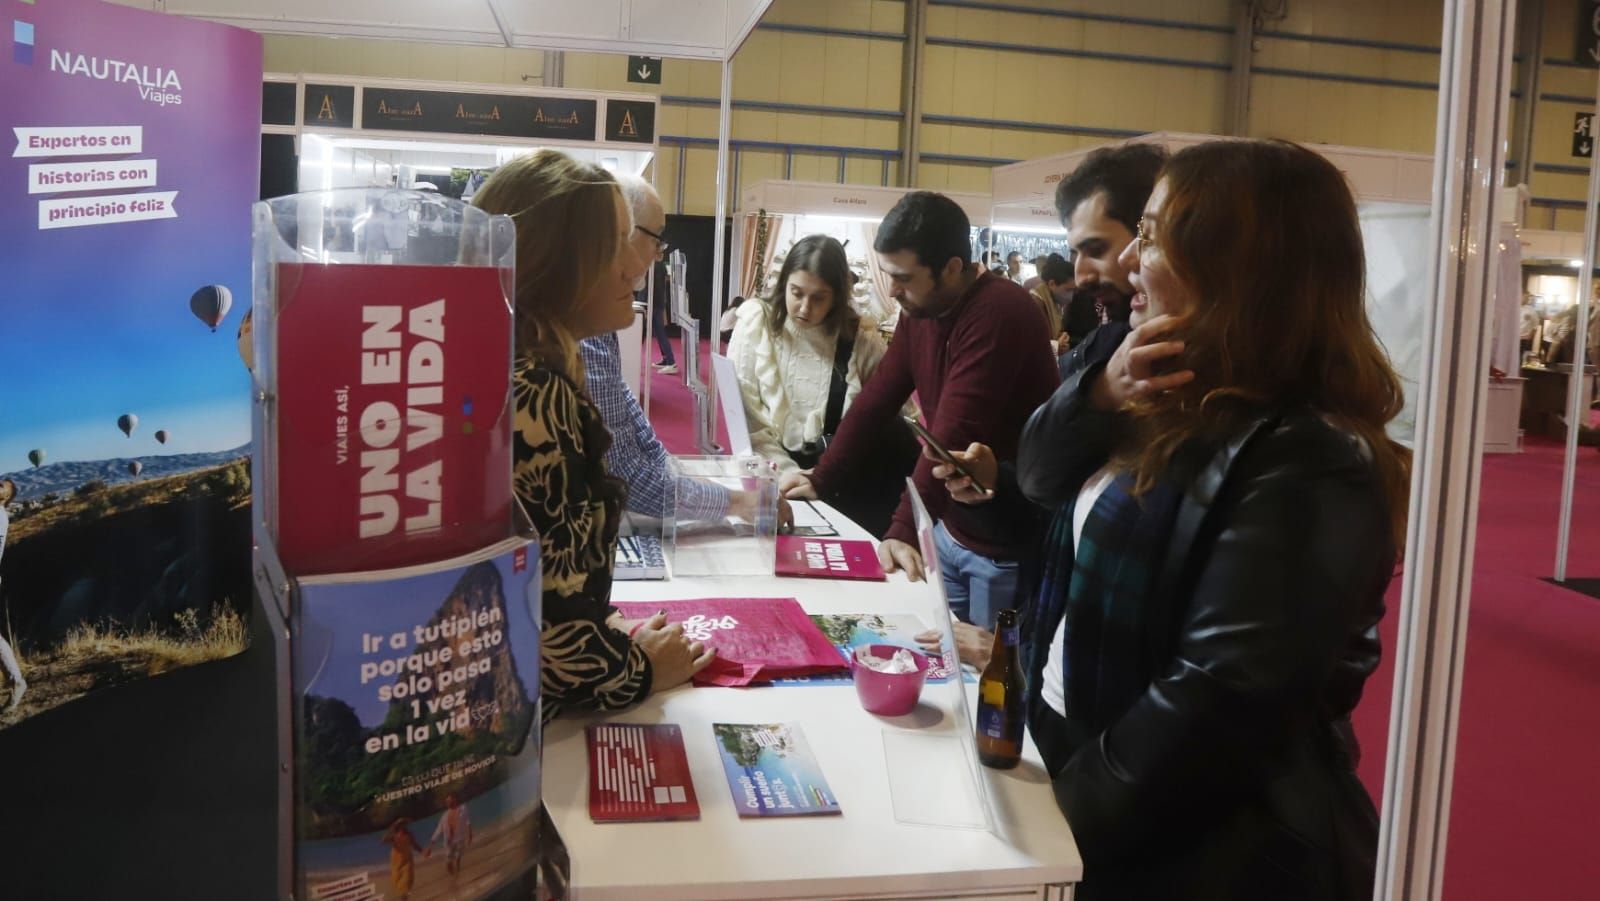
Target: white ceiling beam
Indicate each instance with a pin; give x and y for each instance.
(500, 23)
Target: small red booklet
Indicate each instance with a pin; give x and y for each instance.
(828, 558)
(639, 773)
(757, 639)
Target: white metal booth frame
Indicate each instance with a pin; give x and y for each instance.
(681, 29)
(1474, 98)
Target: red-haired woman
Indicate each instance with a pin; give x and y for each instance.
(1228, 511)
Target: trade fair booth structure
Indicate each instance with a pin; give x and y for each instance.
(399, 133)
(444, 138)
(1393, 195)
(775, 214)
(676, 29)
(1548, 286)
(679, 29)
(1005, 836)
(990, 834)
(1022, 213)
(1030, 229)
(1551, 261)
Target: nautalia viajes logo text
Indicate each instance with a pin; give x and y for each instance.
(156, 84)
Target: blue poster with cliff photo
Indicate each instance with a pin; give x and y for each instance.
(129, 163)
(418, 703)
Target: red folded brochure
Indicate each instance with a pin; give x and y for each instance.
(828, 558)
(757, 639)
(639, 773)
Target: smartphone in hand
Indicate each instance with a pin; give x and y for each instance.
(926, 437)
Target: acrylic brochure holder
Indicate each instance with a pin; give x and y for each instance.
(945, 754)
(678, 306)
(731, 401)
(732, 545)
(401, 575)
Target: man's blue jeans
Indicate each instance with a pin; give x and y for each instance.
(978, 587)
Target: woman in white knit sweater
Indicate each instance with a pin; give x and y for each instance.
(786, 349)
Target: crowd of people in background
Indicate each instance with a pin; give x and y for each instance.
(1173, 464)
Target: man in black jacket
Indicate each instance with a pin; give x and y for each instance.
(1100, 204)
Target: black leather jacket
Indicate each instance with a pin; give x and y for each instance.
(1232, 776)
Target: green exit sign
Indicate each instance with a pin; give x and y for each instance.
(644, 69)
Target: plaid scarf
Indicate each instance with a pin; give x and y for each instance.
(1114, 638)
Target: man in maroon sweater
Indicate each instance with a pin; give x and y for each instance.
(967, 344)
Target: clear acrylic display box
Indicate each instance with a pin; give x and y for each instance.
(325, 264)
(734, 545)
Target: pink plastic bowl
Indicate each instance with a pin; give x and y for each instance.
(888, 694)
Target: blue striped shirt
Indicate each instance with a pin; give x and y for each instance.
(637, 456)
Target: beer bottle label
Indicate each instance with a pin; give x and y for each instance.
(992, 722)
(1009, 636)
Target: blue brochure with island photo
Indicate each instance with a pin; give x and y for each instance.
(771, 770)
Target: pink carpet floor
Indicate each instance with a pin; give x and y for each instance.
(1526, 803)
(1527, 794)
(672, 403)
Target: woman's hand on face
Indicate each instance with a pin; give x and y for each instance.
(1134, 370)
(979, 462)
(674, 659)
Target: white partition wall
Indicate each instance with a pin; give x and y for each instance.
(867, 202)
(1031, 216)
(1397, 238)
(1374, 174)
(1544, 246)
(1393, 193)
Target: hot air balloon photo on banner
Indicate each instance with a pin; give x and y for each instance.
(124, 412)
(211, 304)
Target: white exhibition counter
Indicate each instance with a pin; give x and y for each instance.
(866, 852)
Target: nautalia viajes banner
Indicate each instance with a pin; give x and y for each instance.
(130, 159)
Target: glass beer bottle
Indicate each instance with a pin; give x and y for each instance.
(1000, 716)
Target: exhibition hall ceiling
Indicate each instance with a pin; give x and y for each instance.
(684, 29)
